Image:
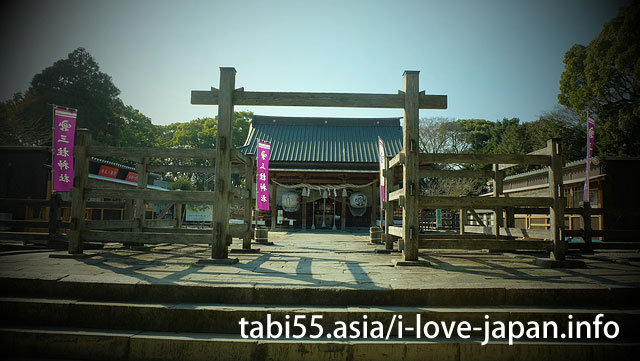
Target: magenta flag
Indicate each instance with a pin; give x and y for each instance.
(64, 131)
(591, 130)
(263, 175)
(382, 159)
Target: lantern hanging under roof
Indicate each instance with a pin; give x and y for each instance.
(358, 204)
(290, 201)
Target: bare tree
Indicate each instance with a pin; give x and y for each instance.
(445, 135)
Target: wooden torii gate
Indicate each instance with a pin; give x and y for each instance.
(226, 97)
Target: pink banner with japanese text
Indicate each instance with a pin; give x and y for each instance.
(591, 130)
(264, 149)
(64, 130)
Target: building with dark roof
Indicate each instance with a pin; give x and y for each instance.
(321, 163)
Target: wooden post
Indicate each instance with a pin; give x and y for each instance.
(463, 219)
(177, 214)
(304, 212)
(511, 217)
(274, 206)
(388, 205)
(587, 233)
(411, 166)
(248, 208)
(54, 216)
(140, 211)
(343, 213)
(497, 192)
(78, 205)
(556, 212)
(220, 221)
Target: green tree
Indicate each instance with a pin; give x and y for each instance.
(182, 182)
(477, 133)
(138, 131)
(201, 133)
(603, 78)
(76, 82)
(562, 123)
(17, 130)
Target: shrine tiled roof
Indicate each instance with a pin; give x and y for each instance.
(324, 140)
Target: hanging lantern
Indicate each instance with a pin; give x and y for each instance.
(290, 201)
(358, 204)
(344, 192)
(324, 194)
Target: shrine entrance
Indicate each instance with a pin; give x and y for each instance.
(410, 99)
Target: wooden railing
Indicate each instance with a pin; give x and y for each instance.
(406, 169)
(53, 224)
(135, 228)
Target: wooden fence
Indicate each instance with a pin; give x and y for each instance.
(405, 170)
(53, 224)
(137, 229)
(608, 238)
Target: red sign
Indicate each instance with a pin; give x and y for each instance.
(132, 177)
(110, 172)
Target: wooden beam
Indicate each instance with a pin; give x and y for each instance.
(531, 210)
(111, 224)
(7, 202)
(191, 197)
(511, 232)
(143, 237)
(490, 244)
(160, 223)
(29, 223)
(484, 158)
(614, 245)
(481, 202)
(105, 204)
(476, 217)
(395, 231)
(24, 236)
(136, 153)
(443, 236)
(304, 99)
(396, 195)
(397, 159)
(544, 151)
(462, 173)
(245, 159)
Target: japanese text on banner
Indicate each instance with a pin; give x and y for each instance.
(263, 175)
(64, 130)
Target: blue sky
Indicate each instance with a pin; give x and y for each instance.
(494, 59)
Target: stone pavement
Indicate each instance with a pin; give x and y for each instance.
(322, 259)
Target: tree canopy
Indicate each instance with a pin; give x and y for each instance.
(77, 82)
(603, 79)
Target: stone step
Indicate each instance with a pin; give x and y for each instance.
(471, 295)
(224, 318)
(96, 344)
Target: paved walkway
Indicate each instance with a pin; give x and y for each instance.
(322, 259)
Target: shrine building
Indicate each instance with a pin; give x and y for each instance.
(323, 172)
